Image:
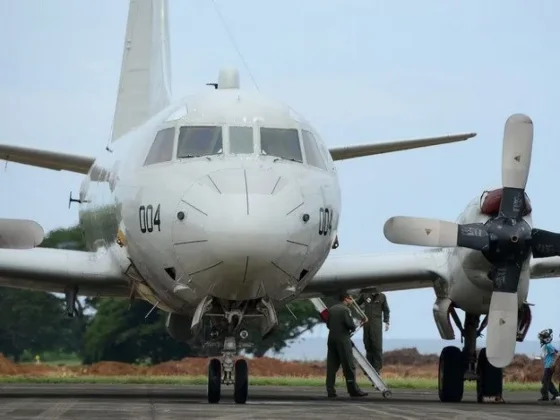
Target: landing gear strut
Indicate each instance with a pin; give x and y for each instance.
(71, 295)
(456, 366)
(228, 372)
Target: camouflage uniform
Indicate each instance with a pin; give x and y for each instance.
(375, 306)
(339, 350)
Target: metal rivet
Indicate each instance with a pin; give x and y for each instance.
(305, 217)
(180, 215)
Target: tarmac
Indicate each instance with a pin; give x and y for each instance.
(164, 402)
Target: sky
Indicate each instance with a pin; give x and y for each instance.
(359, 70)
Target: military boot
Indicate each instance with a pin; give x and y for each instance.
(354, 390)
(331, 393)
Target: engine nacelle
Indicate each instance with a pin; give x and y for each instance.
(179, 327)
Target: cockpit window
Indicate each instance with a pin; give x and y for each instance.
(241, 140)
(197, 141)
(312, 153)
(281, 142)
(162, 148)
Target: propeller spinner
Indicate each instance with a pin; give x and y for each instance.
(505, 240)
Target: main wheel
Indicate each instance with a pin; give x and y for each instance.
(241, 384)
(490, 378)
(214, 381)
(451, 375)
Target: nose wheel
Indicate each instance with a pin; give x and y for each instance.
(214, 381)
(241, 384)
(220, 372)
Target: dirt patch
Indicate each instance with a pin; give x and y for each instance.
(405, 363)
(7, 367)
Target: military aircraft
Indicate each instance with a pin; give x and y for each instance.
(221, 206)
(484, 265)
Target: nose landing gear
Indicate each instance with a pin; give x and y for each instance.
(227, 367)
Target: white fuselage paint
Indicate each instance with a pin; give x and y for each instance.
(243, 234)
(470, 288)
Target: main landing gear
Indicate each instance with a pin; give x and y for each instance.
(456, 366)
(220, 372)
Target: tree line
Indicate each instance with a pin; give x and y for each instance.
(111, 329)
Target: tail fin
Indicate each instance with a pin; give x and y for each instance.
(145, 80)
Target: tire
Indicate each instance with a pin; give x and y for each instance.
(241, 384)
(490, 378)
(451, 374)
(214, 381)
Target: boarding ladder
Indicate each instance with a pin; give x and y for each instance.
(366, 367)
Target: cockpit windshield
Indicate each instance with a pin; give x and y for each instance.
(241, 140)
(195, 141)
(281, 142)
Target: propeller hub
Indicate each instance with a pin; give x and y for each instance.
(508, 242)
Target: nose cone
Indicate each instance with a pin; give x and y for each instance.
(243, 235)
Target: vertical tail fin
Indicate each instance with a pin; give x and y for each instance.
(145, 79)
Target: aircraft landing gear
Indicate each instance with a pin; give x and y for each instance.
(228, 325)
(457, 366)
(227, 372)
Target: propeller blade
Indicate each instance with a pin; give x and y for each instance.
(420, 231)
(516, 162)
(502, 328)
(502, 315)
(545, 243)
(516, 151)
(473, 236)
(439, 233)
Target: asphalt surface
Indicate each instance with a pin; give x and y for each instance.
(151, 402)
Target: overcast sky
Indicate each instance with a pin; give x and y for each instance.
(359, 70)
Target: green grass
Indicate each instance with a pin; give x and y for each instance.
(400, 383)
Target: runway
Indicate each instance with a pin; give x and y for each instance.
(164, 402)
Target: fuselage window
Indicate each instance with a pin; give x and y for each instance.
(197, 141)
(312, 152)
(162, 148)
(241, 140)
(281, 142)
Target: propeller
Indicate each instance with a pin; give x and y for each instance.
(506, 240)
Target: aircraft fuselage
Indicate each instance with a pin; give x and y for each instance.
(235, 226)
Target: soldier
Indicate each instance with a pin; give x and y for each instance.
(339, 348)
(375, 305)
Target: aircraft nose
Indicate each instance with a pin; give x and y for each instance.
(242, 234)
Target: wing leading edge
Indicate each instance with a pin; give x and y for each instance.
(52, 270)
(360, 150)
(387, 272)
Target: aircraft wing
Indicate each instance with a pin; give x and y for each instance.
(359, 150)
(387, 272)
(51, 270)
(46, 159)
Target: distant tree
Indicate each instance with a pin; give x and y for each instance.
(35, 321)
(300, 316)
(118, 333)
(66, 238)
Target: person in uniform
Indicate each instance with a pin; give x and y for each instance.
(376, 308)
(339, 347)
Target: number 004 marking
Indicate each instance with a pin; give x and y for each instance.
(149, 218)
(325, 220)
